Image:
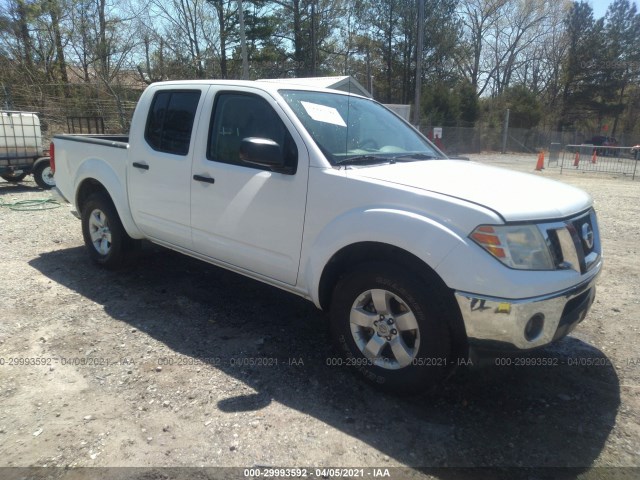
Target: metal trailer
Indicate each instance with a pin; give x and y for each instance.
(21, 151)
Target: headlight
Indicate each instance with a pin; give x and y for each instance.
(517, 246)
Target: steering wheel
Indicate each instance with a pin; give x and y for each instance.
(368, 143)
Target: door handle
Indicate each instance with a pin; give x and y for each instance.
(142, 166)
(202, 178)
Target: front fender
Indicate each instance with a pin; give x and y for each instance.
(421, 236)
(102, 172)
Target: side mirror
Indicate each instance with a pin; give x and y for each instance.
(263, 152)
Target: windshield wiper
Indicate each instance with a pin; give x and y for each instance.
(365, 159)
(414, 156)
(370, 159)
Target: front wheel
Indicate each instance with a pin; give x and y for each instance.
(390, 326)
(106, 240)
(43, 175)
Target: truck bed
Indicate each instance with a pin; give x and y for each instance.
(116, 141)
(102, 154)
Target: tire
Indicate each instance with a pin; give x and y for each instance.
(391, 326)
(43, 175)
(104, 236)
(14, 178)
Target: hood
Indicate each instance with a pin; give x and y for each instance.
(515, 196)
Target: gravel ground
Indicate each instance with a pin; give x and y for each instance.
(172, 363)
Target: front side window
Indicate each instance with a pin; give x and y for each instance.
(171, 120)
(238, 116)
(357, 130)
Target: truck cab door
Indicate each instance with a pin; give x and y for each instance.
(244, 215)
(159, 170)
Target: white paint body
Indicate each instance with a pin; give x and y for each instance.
(283, 229)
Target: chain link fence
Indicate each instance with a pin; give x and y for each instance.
(114, 106)
(480, 138)
(565, 150)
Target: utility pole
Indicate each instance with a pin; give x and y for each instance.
(7, 97)
(505, 132)
(420, 46)
(243, 43)
(369, 74)
(313, 39)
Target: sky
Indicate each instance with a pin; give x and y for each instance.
(600, 7)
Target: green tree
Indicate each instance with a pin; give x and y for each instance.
(525, 108)
(580, 83)
(621, 66)
(448, 105)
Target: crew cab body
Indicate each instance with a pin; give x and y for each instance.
(336, 199)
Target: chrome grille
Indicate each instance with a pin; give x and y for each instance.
(574, 243)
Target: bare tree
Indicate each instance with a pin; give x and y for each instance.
(186, 26)
(478, 18)
(16, 41)
(519, 30)
(541, 69)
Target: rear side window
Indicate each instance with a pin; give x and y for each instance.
(170, 121)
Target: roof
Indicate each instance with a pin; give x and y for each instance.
(343, 83)
(265, 85)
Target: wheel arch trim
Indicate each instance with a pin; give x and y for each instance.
(95, 175)
(361, 228)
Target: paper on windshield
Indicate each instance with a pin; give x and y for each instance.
(322, 113)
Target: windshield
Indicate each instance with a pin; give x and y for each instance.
(354, 130)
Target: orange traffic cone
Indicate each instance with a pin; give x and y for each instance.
(594, 157)
(576, 161)
(540, 165)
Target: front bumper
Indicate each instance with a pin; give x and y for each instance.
(507, 324)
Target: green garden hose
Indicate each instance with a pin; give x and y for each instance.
(31, 205)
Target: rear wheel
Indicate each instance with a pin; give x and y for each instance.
(390, 326)
(43, 175)
(14, 177)
(104, 236)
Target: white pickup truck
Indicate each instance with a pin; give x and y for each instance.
(419, 259)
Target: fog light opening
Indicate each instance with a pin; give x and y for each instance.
(534, 327)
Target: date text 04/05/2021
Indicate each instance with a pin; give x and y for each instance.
(272, 472)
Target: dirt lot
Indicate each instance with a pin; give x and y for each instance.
(159, 366)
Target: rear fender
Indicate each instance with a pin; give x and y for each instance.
(103, 173)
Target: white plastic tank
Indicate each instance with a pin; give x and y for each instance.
(20, 137)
